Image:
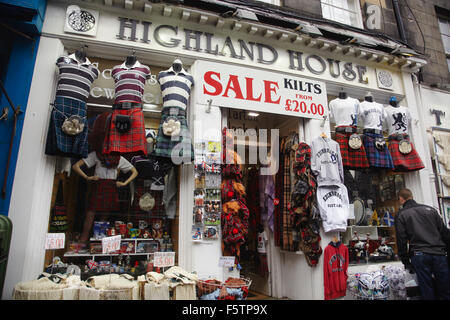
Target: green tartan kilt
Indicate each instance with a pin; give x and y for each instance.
(174, 146)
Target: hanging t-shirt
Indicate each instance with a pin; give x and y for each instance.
(344, 112)
(75, 78)
(334, 207)
(262, 242)
(103, 172)
(175, 87)
(326, 161)
(130, 82)
(372, 115)
(398, 120)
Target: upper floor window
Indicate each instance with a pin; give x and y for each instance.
(444, 27)
(275, 2)
(343, 11)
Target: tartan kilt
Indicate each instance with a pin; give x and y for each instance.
(174, 146)
(351, 159)
(132, 141)
(139, 191)
(59, 143)
(404, 162)
(104, 196)
(377, 158)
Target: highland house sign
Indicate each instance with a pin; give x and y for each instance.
(192, 40)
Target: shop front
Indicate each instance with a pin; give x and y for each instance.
(275, 91)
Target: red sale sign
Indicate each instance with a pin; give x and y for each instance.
(255, 90)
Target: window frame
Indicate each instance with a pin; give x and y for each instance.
(357, 11)
(441, 20)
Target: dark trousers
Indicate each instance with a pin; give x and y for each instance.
(426, 266)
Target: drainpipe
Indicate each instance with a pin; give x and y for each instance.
(398, 17)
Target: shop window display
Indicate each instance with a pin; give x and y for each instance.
(108, 180)
(376, 151)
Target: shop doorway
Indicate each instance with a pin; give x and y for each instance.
(256, 132)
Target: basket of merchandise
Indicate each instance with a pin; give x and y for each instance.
(49, 287)
(231, 289)
(110, 287)
(369, 286)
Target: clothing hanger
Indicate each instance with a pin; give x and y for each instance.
(322, 125)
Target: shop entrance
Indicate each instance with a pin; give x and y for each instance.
(253, 132)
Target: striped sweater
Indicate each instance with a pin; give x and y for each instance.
(175, 87)
(130, 82)
(75, 78)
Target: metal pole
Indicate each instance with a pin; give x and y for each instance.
(398, 18)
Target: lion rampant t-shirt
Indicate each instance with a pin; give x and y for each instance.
(398, 120)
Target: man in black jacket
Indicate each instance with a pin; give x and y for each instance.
(422, 227)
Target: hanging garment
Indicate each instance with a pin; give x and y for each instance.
(60, 143)
(175, 87)
(351, 158)
(169, 193)
(132, 141)
(326, 161)
(334, 207)
(177, 146)
(379, 158)
(129, 82)
(267, 198)
(302, 207)
(398, 120)
(335, 266)
(372, 115)
(75, 78)
(58, 221)
(404, 162)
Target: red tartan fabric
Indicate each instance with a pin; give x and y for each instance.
(104, 196)
(132, 141)
(404, 162)
(351, 159)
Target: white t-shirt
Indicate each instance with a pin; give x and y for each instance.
(344, 112)
(398, 120)
(262, 242)
(103, 172)
(372, 115)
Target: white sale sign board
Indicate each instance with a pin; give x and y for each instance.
(256, 90)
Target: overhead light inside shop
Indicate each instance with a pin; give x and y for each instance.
(253, 114)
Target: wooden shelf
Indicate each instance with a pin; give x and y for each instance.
(72, 255)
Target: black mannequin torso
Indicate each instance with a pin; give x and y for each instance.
(177, 65)
(130, 61)
(368, 98)
(80, 55)
(342, 95)
(393, 103)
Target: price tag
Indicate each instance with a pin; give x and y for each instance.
(226, 261)
(55, 241)
(164, 259)
(111, 244)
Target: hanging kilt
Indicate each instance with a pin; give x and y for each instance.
(104, 196)
(404, 162)
(377, 158)
(59, 143)
(175, 146)
(139, 191)
(133, 141)
(351, 159)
